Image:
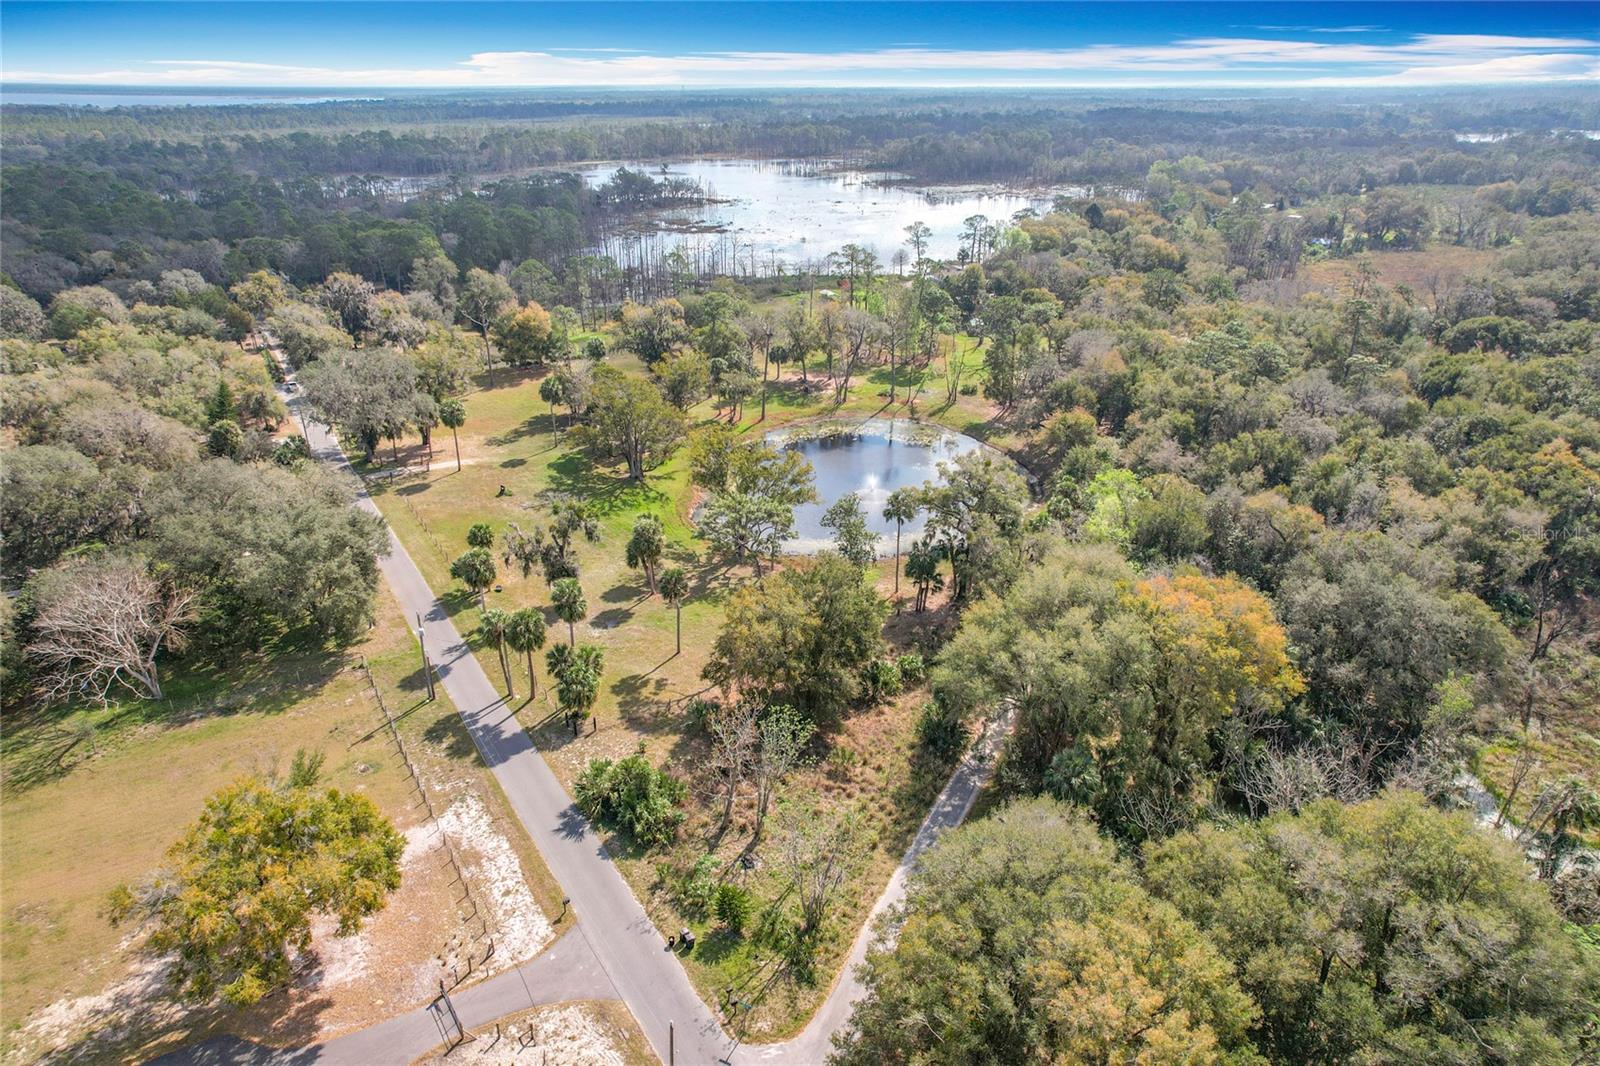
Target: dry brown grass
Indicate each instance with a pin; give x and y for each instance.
(109, 818)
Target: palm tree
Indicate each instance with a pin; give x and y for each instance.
(675, 589)
(901, 507)
(553, 390)
(453, 413)
(566, 596)
(577, 673)
(525, 633)
(922, 566)
(494, 625)
(475, 569)
(481, 535)
(646, 546)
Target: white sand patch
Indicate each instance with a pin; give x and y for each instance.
(110, 1015)
(520, 929)
(565, 1036)
(344, 960)
(340, 960)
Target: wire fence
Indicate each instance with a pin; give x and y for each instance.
(424, 529)
(460, 957)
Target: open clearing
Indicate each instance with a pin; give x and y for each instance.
(76, 825)
(868, 763)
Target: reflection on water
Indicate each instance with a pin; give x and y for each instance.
(121, 98)
(871, 459)
(795, 213)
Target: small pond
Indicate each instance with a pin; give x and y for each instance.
(871, 458)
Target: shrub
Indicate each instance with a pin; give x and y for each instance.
(913, 669)
(883, 678)
(633, 796)
(698, 889)
(733, 907)
(940, 731)
(700, 711)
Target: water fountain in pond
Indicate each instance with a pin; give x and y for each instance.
(871, 458)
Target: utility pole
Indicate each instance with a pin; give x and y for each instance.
(427, 667)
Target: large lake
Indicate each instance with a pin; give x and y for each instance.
(795, 213)
(871, 458)
(133, 98)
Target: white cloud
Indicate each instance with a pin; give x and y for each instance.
(1427, 59)
(1552, 67)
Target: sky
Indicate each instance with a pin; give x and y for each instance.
(423, 44)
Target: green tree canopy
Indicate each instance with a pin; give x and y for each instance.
(646, 545)
(630, 421)
(267, 547)
(1386, 931)
(851, 537)
(801, 637)
(1120, 685)
(1024, 939)
(234, 905)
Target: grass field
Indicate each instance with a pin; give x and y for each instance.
(868, 763)
(92, 798)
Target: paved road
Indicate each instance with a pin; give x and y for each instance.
(623, 946)
(950, 809)
(629, 950)
(567, 970)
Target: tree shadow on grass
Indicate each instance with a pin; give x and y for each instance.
(717, 580)
(575, 474)
(448, 732)
(43, 742)
(623, 593)
(413, 682)
(528, 427)
(456, 599)
(611, 618)
(791, 393)
(718, 945)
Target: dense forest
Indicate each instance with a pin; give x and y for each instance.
(370, 186)
(1310, 565)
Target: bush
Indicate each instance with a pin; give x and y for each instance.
(913, 669)
(733, 907)
(633, 796)
(291, 452)
(700, 711)
(883, 678)
(940, 731)
(697, 891)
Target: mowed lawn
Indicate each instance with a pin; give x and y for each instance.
(869, 763)
(76, 825)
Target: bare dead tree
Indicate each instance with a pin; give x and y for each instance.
(1156, 814)
(733, 746)
(781, 741)
(102, 624)
(862, 335)
(1342, 767)
(1524, 764)
(818, 855)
